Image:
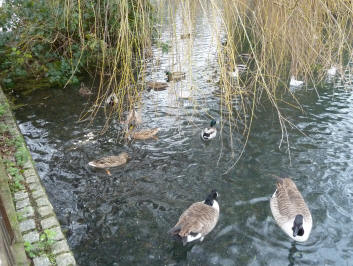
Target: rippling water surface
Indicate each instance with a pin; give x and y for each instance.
(123, 219)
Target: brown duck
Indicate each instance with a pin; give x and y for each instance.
(110, 161)
(84, 91)
(144, 134)
(157, 86)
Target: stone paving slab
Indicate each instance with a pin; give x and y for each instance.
(41, 261)
(45, 211)
(22, 203)
(26, 212)
(34, 186)
(38, 193)
(29, 172)
(31, 237)
(58, 233)
(42, 202)
(27, 225)
(21, 195)
(65, 260)
(31, 179)
(49, 222)
(60, 247)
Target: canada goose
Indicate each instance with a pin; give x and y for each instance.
(176, 76)
(209, 133)
(110, 161)
(197, 220)
(290, 210)
(157, 86)
(144, 134)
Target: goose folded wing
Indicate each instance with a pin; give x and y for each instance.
(199, 217)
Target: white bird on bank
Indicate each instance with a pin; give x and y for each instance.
(332, 71)
(295, 83)
(290, 210)
(197, 220)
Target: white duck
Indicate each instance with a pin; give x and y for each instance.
(295, 83)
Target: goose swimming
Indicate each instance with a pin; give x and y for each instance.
(290, 210)
(197, 220)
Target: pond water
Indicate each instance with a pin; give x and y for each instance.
(123, 219)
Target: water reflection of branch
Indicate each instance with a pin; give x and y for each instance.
(292, 254)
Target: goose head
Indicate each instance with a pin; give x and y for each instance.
(298, 226)
(211, 197)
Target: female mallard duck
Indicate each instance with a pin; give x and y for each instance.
(290, 211)
(84, 91)
(197, 220)
(209, 133)
(157, 86)
(185, 36)
(133, 118)
(110, 161)
(144, 134)
(176, 76)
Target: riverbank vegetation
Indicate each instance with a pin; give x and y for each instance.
(56, 43)
(277, 41)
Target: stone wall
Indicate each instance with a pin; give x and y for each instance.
(37, 217)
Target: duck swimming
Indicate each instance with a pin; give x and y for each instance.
(84, 91)
(144, 134)
(209, 133)
(133, 118)
(110, 161)
(175, 76)
(157, 86)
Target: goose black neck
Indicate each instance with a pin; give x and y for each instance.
(209, 200)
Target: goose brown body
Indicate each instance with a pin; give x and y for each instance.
(286, 203)
(198, 218)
